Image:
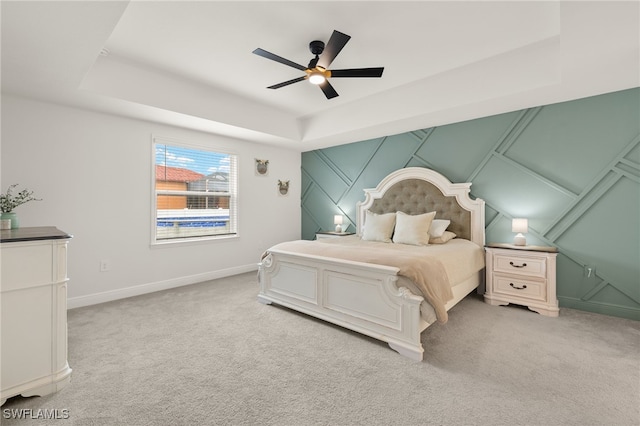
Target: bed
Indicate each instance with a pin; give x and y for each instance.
(389, 286)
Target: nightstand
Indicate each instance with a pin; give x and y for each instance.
(332, 234)
(523, 275)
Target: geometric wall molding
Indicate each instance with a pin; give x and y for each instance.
(573, 169)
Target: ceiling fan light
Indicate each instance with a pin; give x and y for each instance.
(316, 77)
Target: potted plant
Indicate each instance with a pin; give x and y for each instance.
(10, 200)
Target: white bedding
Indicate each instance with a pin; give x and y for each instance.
(461, 258)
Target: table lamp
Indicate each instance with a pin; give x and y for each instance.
(521, 226)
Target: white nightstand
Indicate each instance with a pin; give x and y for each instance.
(523, 275)
(331, 234)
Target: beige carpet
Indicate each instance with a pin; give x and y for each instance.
(210, 354)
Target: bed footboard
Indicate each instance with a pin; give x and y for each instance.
(358, 296)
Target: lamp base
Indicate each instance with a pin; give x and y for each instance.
(339, 229)
(520, 240)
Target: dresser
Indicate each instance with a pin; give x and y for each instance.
(33, 299)
(522, 275)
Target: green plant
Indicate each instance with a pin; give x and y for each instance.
(9, 200)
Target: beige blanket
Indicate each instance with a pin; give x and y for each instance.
(426, 266)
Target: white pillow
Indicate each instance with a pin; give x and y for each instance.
(413, 229)
(378, 227)
(446, 236)
(438, 226)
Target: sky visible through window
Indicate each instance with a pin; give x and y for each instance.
(200, 161)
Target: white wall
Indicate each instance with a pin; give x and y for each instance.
(93, 173)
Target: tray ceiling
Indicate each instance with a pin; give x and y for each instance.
(190, 63)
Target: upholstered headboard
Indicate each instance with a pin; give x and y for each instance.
(417, 190)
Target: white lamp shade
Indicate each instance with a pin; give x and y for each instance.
(337, 219)
(520, 225)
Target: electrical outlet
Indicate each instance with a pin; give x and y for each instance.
(105, 265)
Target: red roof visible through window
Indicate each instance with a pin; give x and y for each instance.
(176, 174)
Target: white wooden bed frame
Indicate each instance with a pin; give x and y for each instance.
(364, 297)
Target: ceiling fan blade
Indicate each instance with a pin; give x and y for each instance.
(273, 57)
(328, 89)
(335, 44)
(358, 72)
(286, 83)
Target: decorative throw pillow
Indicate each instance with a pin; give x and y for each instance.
(378, 227)
(438, 226)
(446, 236)
(413, 229)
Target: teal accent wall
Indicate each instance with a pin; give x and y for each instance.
(572, 169)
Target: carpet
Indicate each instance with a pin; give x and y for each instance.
(210, 354)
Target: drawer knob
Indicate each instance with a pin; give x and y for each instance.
(517, 266)
(518, 288)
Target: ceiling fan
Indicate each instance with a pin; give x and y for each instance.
(317, 71)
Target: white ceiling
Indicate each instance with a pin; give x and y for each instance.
(190, 63)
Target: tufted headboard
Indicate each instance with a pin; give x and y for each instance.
(417, 190)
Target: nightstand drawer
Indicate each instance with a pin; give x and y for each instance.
(529, 289)
(521, 265)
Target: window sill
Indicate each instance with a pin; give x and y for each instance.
(191, 241)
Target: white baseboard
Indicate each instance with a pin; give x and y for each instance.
(123, 293)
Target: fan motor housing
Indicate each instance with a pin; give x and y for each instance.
(316, 47)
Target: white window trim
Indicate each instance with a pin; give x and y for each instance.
(234, 190)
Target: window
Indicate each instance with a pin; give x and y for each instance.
(194, 192)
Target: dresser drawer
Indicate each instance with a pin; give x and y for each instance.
(26, 265)
(521, 265)
(521, 287)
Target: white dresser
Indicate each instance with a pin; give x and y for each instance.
(33, 299)
(523, 275)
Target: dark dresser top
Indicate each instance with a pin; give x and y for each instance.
(33, 234)
(547, 249)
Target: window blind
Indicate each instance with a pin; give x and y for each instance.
(195, 192)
